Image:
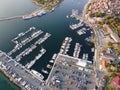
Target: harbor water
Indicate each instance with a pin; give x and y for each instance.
(54, 23)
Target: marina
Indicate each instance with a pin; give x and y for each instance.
(56, 30)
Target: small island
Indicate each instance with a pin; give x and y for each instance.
(47, 4)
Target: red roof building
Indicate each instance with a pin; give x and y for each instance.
(116, 82)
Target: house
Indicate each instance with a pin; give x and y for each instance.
(116, 82)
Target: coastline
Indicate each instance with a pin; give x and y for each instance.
(85, 7)
(11, 79)
(38, 4)
(45, 8)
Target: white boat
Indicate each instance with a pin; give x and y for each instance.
(21, 34)
(37, 74)
(54, 56)
(44, 71)
(93, 49)
(27, 17)
(52, 9)
(29, 65)
(41, 13)
(79, 32)
(51, 61)
(67, 16)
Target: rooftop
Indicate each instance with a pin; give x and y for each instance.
(116, 81)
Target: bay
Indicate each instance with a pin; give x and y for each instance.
(55, 23)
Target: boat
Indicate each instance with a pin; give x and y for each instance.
(79, 32)
(44, 71)
(41, 13)
(67, 16)
(54, 56)
(83, 56)
(86, 56)
(20, 34)
(93, 49)
(37, 74)
(49, 66)
(91, 32)
(52, 9)
(25, 17)
(37, 57)
(51, 61)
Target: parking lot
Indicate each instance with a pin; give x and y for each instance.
(66, 75)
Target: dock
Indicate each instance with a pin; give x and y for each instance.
(32, 47)
(77, 50)
(25, 52)
(29, 65)
(75, 26)
(65, 45)
(25, 41)
(85, 56)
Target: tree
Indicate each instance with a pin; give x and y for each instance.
(110, 45)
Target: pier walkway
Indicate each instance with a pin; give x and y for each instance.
(21, 16)
(10, 18)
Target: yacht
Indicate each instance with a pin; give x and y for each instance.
(37, 74)
(44, 71)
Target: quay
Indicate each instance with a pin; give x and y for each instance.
(24, 77)
(10, 18)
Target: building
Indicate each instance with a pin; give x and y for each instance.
(103, 63)
(115, 37)
(116, 82)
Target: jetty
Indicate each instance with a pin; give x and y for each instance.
(29, 65)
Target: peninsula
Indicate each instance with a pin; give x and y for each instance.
(47, 4)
